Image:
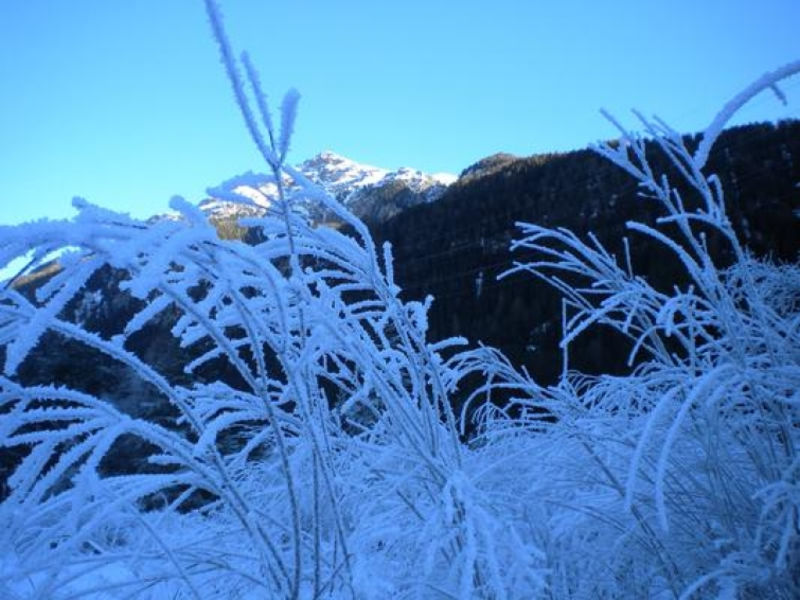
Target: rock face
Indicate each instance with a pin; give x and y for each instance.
(373, 194)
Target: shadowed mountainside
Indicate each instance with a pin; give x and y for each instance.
(456, 247)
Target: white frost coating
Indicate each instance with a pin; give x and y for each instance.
(288, 115)
(765, 82)
(707, 427)
(311, 450)
(303, 320)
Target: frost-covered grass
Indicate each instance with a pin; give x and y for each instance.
(349, 478)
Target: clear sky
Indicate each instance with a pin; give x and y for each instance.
(124, 102)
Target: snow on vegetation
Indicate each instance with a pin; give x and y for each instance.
(336, 466)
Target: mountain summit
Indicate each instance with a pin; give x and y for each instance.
(372, 193)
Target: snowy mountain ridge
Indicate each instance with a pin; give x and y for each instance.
(370, 192)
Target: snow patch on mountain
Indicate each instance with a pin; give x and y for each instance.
(340, 175)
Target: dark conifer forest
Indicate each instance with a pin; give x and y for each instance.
(457, 248)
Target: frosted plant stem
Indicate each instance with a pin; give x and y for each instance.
(168, 552)
(667, 565)
(766, 81)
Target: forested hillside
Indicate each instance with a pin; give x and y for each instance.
(455, 248)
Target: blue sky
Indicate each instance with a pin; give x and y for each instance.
(125, 102)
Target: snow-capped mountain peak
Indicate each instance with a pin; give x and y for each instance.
(372, 193)
(338, 174)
